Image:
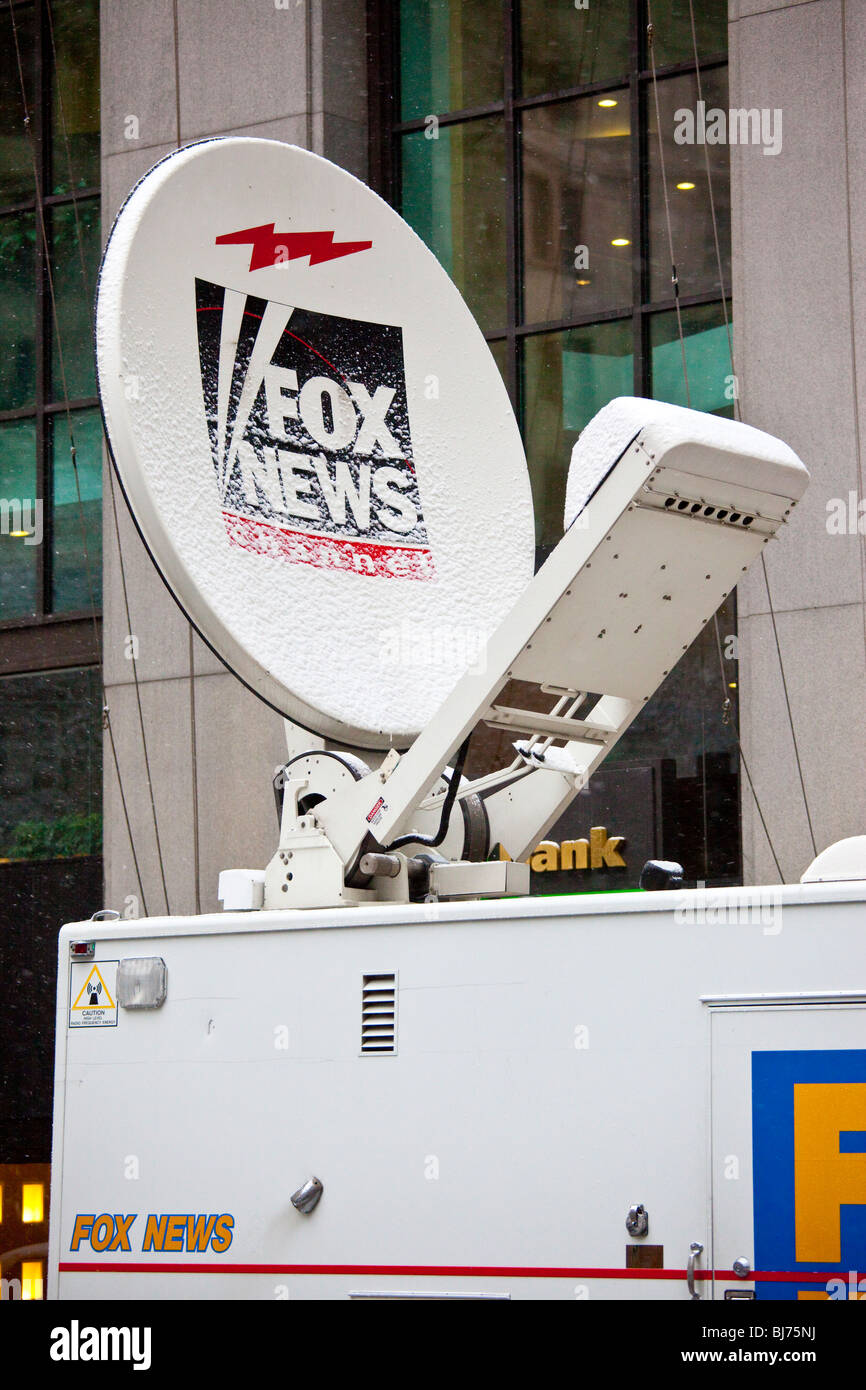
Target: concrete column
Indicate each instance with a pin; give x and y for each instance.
(799, 286)
(292, 70)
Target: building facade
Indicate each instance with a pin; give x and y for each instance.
(606, 244)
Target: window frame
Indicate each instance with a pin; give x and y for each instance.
(386, 131)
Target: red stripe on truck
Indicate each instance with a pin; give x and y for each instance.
(451, 1271)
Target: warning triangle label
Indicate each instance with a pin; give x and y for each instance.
(93, 995)
(94, 992)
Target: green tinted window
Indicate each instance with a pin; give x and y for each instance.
(563, 46)
(568, 377)
(454, 197)
(17, 310)
(21, 520)
(74, 36)
(451, 55)
(74, 263)
(50, 765)
(577, 251)
(689, 201)
(672, 25)
(706, 344)
(17, 46)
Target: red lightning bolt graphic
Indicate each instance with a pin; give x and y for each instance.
(272, 248)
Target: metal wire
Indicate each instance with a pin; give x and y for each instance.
(674, 277)
(736, 734)
(736, 401)
(788, 703)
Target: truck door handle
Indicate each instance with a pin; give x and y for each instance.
(695, 1249)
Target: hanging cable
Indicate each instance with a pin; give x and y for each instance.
(736, 734)
(674, 277)
(788, 703)
(78, 234)
(106, 719)
(736, 399)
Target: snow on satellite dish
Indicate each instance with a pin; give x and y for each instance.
(312, 435)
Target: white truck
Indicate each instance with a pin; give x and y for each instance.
(487, 1092)
(385, 1071)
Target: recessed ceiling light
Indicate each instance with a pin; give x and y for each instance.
(685, 185)
(607, 101)
(584, 282)
(620, 241)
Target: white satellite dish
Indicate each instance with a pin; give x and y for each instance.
(312, 435)
(323, 462)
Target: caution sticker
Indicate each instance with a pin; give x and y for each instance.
(93, 994)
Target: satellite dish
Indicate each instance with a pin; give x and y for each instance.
(312, 435)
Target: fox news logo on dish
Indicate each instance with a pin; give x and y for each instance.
(309, 431)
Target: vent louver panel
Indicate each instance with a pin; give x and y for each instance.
(710, 512)
(379, 1014)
